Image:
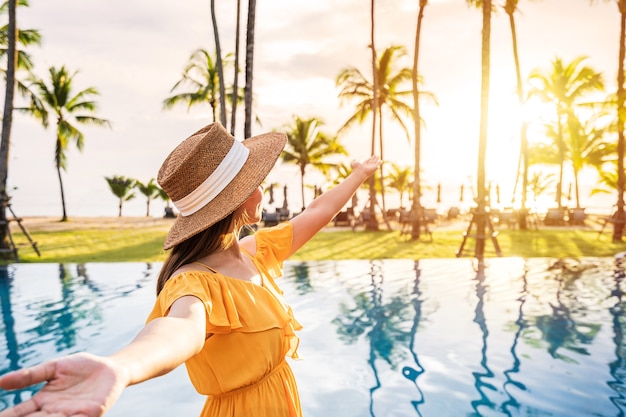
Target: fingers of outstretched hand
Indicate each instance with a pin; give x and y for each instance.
(26, 408)
(374, 159)
(369, 165)
(30, 408)
(372, 162)
(28, 376)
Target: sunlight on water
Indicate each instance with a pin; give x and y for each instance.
(381, 338)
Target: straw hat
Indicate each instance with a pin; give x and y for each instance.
(210, 174)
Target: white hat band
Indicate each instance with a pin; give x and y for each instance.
(216, 182)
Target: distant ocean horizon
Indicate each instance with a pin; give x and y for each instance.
(100, 202)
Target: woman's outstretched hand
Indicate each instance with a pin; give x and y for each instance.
(368, 166)
(81, 385)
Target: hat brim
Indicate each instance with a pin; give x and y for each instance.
(264, 152)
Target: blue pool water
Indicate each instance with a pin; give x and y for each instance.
(432, 338)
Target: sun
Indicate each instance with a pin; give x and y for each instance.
(506, 116)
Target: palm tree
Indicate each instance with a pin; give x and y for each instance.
(220, 67)
(584, 146)
(122, 188)
(618, 226)
(202, 75)
(539, 183)
(10, 35)
(510, 7)
(372, 223)
(68, 110)
(307, 145)
(607, 183)
(169, 211)
(24, 37)
(481, 215)
(564, 86)
(416, 219)
(390, 95)
(587, 147)
(234, 96)
(399, 179)
(249, 66)
(149, 190)
(545, 153)
(7, 118)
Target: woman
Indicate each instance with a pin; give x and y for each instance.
(218, 308)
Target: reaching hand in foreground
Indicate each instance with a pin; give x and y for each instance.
(368, 166)
(81, 385)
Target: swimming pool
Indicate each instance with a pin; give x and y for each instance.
(433, 338)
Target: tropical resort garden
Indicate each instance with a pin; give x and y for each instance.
(578, 130)
(423, 297)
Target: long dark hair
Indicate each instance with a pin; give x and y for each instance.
(219, 236)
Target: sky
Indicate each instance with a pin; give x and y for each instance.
(134, 51)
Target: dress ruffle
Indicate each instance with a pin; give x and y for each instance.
(232, 305)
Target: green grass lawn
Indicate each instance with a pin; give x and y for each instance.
(145, 245)
(94, 245)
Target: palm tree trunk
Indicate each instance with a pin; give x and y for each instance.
(302, 169)
(220, 67)
(249, 65)
(576, 188)
(523, 127)
(561, 145)
(618, 226)
(416, 209)
(381, 180)
(64, 218)
(381, 169)
(481, 209)
(119, 208)
(372, 223)
(6, 126)
(213, 111)
(235, 95)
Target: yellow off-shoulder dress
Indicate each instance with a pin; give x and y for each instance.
(242, 368)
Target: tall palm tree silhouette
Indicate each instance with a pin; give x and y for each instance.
(248, 93)
(619, 215)
(416, 218)
(56, 99)
(510, 7)
(480, 217)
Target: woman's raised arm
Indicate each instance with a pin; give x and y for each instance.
(322, 210)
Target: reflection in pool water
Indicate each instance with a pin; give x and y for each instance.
(381, 338)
